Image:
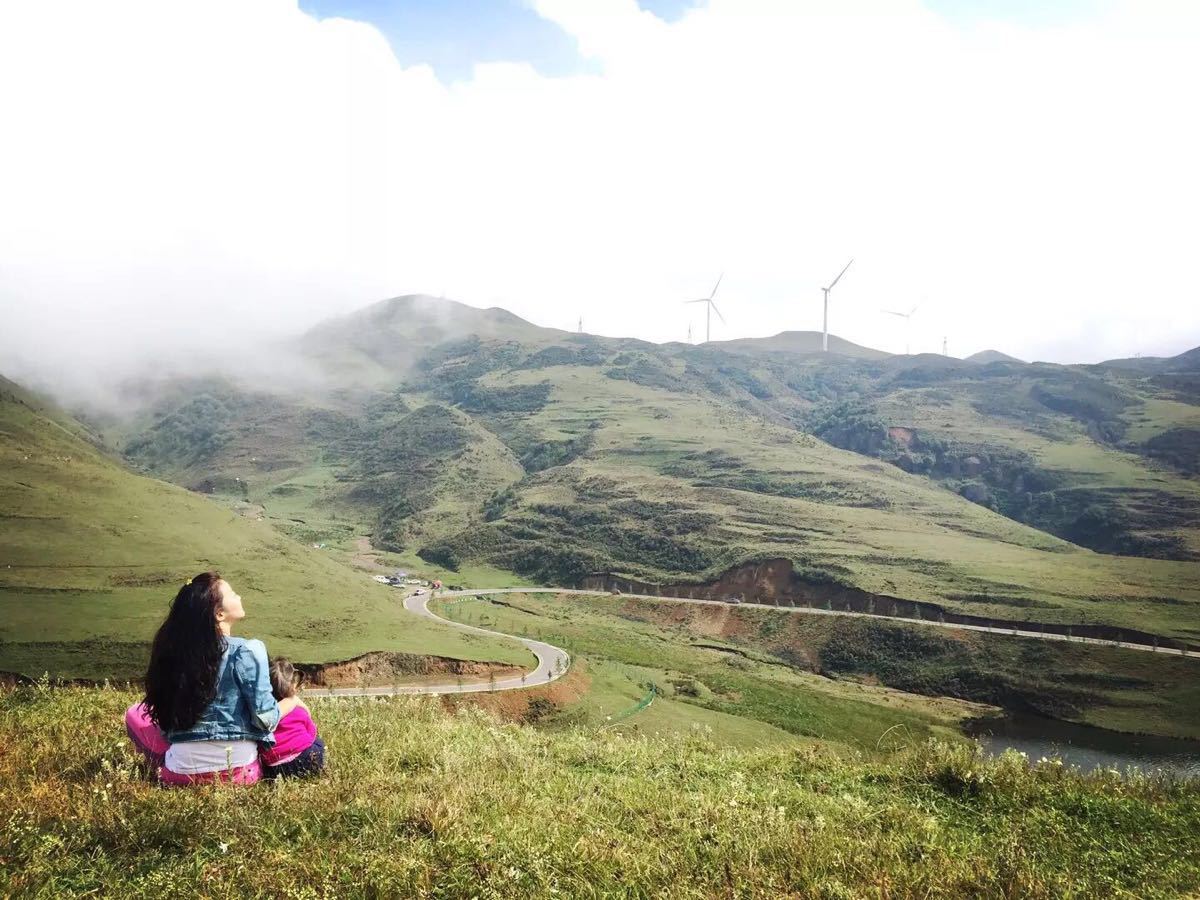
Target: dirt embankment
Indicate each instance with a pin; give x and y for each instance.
(531, 704)
(380, 668)
(366, 557)
(775, 581)
(368, 670)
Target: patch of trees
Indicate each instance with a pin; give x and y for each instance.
(641, 369)
(427, 433)
(1087, 399)
(550, 454)
(830, 384)
(747, 381)
(562, 543)
(333, 431)
(522, 398)
(566, 356)
(1178, 448)
(852, 426)
(398, 465)
(1116, 520)
(190, 434)
(924, 662)
(1185, 386)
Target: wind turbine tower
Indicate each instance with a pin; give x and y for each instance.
(945, 352)
(581, 324)
(825, 330)
(907, 317)
(709, 309)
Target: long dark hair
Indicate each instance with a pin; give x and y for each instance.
(182, 677)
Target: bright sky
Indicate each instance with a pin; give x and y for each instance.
(178, 173)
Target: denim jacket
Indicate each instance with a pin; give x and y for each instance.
(243, 709)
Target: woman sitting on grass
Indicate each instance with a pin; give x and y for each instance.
(297, 750)
(208, 702)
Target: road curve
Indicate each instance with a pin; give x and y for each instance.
(552, 662)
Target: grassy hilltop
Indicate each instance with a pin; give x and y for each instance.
(419, 802)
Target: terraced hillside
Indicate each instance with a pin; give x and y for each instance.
(469, 438)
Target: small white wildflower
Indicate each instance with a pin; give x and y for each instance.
(224, 847)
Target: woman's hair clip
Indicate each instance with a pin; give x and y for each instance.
(186, 583)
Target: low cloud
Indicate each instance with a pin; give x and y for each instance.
(178, 176)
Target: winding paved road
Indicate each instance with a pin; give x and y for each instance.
(553, 662)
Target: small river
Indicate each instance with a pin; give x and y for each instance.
(1085, 746)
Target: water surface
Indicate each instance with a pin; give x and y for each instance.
(1084, 746)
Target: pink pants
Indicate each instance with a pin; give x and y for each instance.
(153, 744)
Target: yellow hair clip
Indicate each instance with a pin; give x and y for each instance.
(186, 583)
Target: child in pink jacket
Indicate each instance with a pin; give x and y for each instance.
(297, 751)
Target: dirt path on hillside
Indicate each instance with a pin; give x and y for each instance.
(365, 556)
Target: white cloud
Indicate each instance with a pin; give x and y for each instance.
(176, 170)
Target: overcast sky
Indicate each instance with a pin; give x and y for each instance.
(177, 172)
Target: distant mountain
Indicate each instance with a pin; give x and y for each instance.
(376, 344)
(1186, 362)
(801, 342)
(992, 356)
(471, 437)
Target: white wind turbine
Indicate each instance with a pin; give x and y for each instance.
(907, 317)
(825, 331)
(710, 309)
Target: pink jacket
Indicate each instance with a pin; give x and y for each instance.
(294, 734)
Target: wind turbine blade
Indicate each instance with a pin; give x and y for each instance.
(914, 309)
(892, 312)
(701, 300)
(715, 286)
(718, 312)
(840, 274)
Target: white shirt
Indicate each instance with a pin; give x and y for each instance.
(198, 757)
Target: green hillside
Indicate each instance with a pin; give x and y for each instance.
(1040, 492)
(93, 553)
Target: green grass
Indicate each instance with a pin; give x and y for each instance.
(879, 528)
(1114, 688)
(418, 802)
(93, 554)
(742, 700)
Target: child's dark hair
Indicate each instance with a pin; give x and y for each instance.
(283, 678)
